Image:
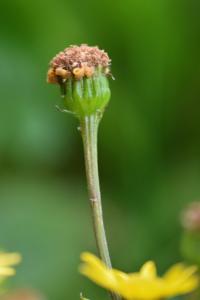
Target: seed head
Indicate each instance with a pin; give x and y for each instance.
(81, 72)
(78, 62)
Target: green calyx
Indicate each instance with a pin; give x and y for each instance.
(86, 96)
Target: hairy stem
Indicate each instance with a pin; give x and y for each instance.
(89, 130)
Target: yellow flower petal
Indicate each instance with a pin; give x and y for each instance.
(4, 271)
(144, 285)
(181, 278)
(148, 270)
(8, 259)
(179, 271)
(96, 270)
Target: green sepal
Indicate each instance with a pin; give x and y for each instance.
(87, 96)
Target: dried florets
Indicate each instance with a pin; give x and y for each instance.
(78, 62)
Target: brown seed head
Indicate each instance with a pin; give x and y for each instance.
(77, 61)
(191, 217)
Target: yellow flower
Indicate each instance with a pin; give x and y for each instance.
(7, 260)
(143, 285)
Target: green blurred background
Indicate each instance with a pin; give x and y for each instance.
(149, 140)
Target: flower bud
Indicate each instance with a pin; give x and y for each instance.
(191, 217)
(81, 72)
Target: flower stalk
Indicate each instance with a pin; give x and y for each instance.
(89, 132)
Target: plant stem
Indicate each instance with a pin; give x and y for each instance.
(89, 130)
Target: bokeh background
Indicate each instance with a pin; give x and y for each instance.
(149, 139)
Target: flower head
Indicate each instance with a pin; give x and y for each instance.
(142, 285)
(191, 217)
(81, 71)
(7, 260)
(77, 62)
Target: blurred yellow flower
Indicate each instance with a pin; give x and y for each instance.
(7, 260)
(143, 285)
